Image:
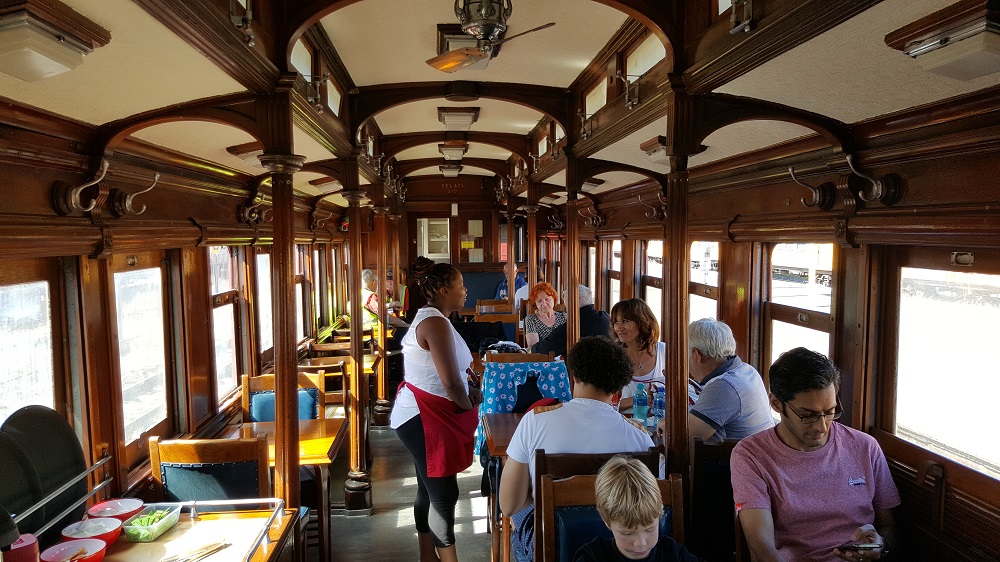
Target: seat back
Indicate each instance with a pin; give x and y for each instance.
(564, 465)
(210, 469)
(500, 382)
(492, 305)
(497, 357)
(566, 517)
(713, 523)
(258, 397)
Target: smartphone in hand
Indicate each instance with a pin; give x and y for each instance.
(857, 546)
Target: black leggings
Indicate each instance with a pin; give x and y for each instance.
(434, 507)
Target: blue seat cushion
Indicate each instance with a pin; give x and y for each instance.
(262, 405)
(216, 481)
(580, 524)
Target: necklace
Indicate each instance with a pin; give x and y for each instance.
(641, 361)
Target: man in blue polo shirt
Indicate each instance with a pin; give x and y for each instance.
(733, 402)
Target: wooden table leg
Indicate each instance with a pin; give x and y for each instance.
(323, 512)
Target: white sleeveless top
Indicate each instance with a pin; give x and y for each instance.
(419, 369)
(654, 375)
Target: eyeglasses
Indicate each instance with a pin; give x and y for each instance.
(811, 419)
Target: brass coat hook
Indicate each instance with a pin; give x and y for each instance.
(121, 202)
(655, 211)
(66, 198)
(592, 218)
(822, 196)
(885, 190)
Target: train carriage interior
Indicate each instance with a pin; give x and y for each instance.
(191, 190)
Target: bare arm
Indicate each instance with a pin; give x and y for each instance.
(515, 487)
(530, 338)
(434, 335)
(698, 428)
(758, 527)
(882, 532)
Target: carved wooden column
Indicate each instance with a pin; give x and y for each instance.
(532, 235)
(358, 487)
(286, 442)
(571, 254)
(382, 407)
(676, 254)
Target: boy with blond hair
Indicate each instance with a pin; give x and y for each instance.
(629, 503)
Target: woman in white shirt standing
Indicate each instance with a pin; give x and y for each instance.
(435, 414)
(635, 327)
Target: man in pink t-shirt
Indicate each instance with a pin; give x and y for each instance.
(809, 485)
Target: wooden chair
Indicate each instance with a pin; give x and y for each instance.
(497, 357)
(210, 469)
(495, 311)
(333, 379)
(713, 522)
(492, 305)
(563, 465)
(569, 519)
(259, 390)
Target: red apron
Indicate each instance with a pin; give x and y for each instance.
(449, 434)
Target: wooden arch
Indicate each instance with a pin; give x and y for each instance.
(406, 167)
(590, 167)
(720, 110)
(302, 14)
(392, 145)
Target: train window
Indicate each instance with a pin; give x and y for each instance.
(703, 281)
(27, 372)
(614, 274)
(316, 285)
(616, 255)
(597, 97)
(333, 97)
(302, 60)
(543, 145)
(139, 297)
(225, 318)
(644, 57)
(964, 309)
(301, 259)
(652, 278)
(722, 5)
(797, 311)
(337, 280)
(592, 269)
(265, 333)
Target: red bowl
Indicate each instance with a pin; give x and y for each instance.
(63, 551)
(121, 508)
(105, 528)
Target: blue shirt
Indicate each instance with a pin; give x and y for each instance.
(518, 283)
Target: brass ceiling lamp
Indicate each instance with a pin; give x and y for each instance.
(483, 19)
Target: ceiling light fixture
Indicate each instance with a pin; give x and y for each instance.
(458, 118)
(453, 151)
(656, 149)
(483, 19)
(450, 170)
(41, 40)
(248, 152)
(969, 29)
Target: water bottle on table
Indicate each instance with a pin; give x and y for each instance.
(659, 405)
(640, 404)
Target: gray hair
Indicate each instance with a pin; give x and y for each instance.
(367, 276)
(586, 296)
(712, 338)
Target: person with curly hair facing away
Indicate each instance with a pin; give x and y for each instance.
(630, 504)
(435, 414)
(598, 368)
(540, 323)
(635, 327)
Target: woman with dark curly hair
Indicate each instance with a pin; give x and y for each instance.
(543, 319)
(435, 414)
(635, 327)
(599, 368)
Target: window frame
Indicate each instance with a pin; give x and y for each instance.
(236, 298)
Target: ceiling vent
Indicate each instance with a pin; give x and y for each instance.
(961, 41)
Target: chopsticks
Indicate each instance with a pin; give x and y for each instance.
(199, 554)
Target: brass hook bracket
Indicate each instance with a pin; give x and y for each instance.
(821, 196)
(593, 219)
(66, 198)
(886, 189)
(657, 212)
(122, 203)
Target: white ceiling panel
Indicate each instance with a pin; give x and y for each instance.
(746, 136)
(494, 116)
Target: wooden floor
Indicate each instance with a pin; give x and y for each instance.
(389, 533)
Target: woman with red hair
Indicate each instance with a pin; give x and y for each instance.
(543, 319)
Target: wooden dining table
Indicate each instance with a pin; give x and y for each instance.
(499, 429)
(319, 442)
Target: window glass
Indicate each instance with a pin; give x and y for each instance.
(141, 351)
(592, 269)
(616, 255)
(701, 307)
(223, 269)
(543, 145)
(560, 133)
(647, 54)
(705, 263)
(26, 372)
(333, 97)
(317, 289)
(224, 333)
(725, 5)
(302, 60)
(785, 336)
(654, 298)
(654, 258)
(597, 97)
(802, 275)
(266, 336)
(615, 291)
(300, 333)
(963, 310)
